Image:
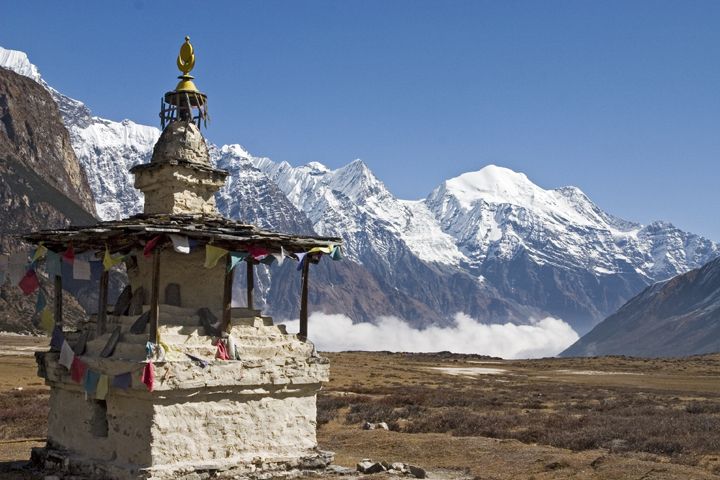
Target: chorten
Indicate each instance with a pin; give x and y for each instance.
(173, 380)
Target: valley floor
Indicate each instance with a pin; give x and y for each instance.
(462, 416)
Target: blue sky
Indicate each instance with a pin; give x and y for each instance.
(618, 98)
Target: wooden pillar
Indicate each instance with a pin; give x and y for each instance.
(304, 298)
(227, 295)
(155, 297)
(102, 302)
(58, 302)
(250, 282)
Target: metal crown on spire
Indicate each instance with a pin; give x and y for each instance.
(185, 103)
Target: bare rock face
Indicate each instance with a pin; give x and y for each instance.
(42, 185)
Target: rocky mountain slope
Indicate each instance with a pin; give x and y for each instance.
(677, 317)
(42, 184)
(490, 243)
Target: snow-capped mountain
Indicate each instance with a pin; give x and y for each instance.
(489, 243)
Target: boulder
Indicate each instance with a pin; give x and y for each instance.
(370, 467)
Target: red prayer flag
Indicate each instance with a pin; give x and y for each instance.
(258, 253)
(150, 246)
(221, 351)
(29, 283)
(69, 255)
(77, 370)
(148, 376)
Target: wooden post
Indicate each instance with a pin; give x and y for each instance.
(102, 302)
(227, 295)
(58, 302)
(304, 298)
(250, 282)
(155, 296)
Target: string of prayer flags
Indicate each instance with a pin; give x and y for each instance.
(101, 389)
(109, 261)
(29, 283)
(123, 381)
(150, 246)
(181, 243)
(91, 380)
(336, 253)
(69, 255)
(257, 253)
(66, 355)
(301, 259)
(148, 376)
(213, 254)
(39, 253)
(47, 321)
(81, 269)
(52, 264)
(235, 258)
(77, 370)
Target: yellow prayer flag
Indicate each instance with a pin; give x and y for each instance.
(40, 252)
(109, 261)
(47, 322)
(102, 387)
(213, 254)
(320, 250)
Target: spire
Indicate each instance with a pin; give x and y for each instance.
(186, 102)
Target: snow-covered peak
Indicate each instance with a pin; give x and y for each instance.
(235, 150)
(492, 184)
(317, 168)
(19, 62)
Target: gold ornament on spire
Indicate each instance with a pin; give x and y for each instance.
(186, 59)
(186, 62)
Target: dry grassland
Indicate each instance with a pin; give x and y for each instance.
(473, 417)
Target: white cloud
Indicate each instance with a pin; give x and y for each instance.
(540, 338)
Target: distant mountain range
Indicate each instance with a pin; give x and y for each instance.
(677, 317)
(489, 243)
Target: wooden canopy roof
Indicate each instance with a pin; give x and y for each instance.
(133, 232)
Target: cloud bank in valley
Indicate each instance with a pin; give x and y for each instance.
(540, 338)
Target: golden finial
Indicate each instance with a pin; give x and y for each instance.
(186, 59)
(186, 62)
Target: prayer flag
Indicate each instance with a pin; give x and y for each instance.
(109, 261)
(81, 269)
(150, 246)
(124, 381)
(91, 381)
(148, 376)
(69, 255)
(336, 253)
(40, 303)
(280, 257)
(213, 254)
(57, 338)
(180, 243)
(221, 351)
(320, 250)
(268, 260)
(52, 264)
(40, 252)
(301, 259)
(66, 355)
(102, 387)
(29, 282)
(77, 370)
(199, 360)
(235, 258)
(258, 253)
(47, 321)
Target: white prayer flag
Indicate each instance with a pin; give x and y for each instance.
(66, 355)
(181, 244)
(81, 269)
